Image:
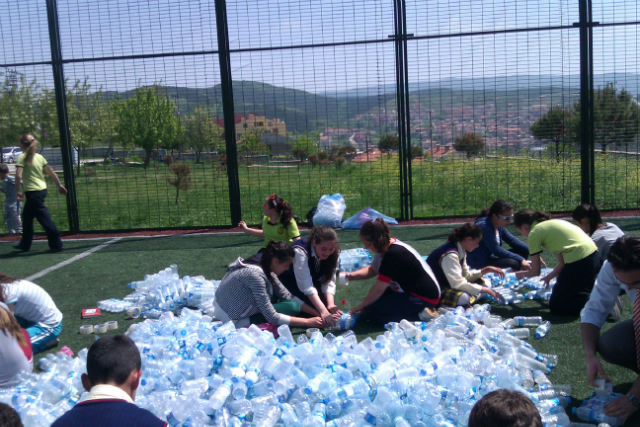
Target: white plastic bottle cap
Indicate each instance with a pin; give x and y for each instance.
(100, 329)
(86, 329)
(112, 325)
(133, 312)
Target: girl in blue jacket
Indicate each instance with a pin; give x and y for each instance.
(490, 252)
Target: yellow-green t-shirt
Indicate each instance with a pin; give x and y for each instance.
(559, 236)
(33, 174)
(279, 232)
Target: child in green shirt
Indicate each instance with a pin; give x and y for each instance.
(578, 260)
(277, 224)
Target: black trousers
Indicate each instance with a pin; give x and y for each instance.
(618, 345)
(508, 262)
(573, 286)
(394, 306)
(34, 208)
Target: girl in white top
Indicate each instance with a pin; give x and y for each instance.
(13, 349)
(588, 218)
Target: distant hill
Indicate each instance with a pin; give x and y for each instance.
(365, 108)
(629, 81)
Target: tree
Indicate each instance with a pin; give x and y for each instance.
(313, 159)
(181, 179)
(555, 126)
(616, 117)
(338, 161)
(202, 133)
(18, 103)
(251, 143)
(470, 143)
(346, 150)
(148, 120)
(416, 151)
(305, 144)
(387, 143)
(89, 121)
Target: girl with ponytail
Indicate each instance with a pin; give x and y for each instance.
(30, 168)
(277, 223)
(461, 285)
(405, 288)
(588, 218)
(245, 292)
(494, 221)
(578, 259)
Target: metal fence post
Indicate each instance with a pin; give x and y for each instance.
(402, 105)
(228, 111)
(63, 119)
(587, 165)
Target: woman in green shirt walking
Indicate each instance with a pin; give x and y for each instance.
(278, 223)
(578, 260)
(30, 185)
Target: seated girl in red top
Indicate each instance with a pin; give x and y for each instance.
(405, 288)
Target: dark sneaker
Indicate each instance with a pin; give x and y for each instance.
(55, 250)
(51, 344)
(428, 314)
(19, 247)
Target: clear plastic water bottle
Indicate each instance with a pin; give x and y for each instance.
(543, 329)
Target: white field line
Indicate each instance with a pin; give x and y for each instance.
(71, 260)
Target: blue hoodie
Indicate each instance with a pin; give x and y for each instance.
(489, 246)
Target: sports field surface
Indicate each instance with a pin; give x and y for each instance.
(78, 280)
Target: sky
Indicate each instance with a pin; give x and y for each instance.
(107, 28)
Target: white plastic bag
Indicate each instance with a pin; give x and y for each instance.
(330, 210)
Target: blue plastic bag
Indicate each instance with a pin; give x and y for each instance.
(357, 221)
(330, 210)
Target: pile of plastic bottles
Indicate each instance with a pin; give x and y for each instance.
(509, 287)
(198, 373)
(592, 410)
(166, 292)
(354, 259)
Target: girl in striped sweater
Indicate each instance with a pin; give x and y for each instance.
(244, 295)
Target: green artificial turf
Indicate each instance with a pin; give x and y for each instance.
(105, 273)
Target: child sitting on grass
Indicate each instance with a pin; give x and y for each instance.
(11, 202)
(460, 285)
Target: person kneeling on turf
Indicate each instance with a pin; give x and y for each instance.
(460, 285)
(621, 271)
(112, 378)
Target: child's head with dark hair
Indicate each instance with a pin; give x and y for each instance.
(9, 417)
(276, 258)
(377, 234)
(499, 207)
(504, 408)
(112, 359)
(465, 230)
(587, 217)
(4, 171)
(624, 254)
(524, 219)
(276, 203)
(467, 235)
(326, 246)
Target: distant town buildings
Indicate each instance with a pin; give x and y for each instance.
(253, 122)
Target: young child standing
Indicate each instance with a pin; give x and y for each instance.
(11, 203)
